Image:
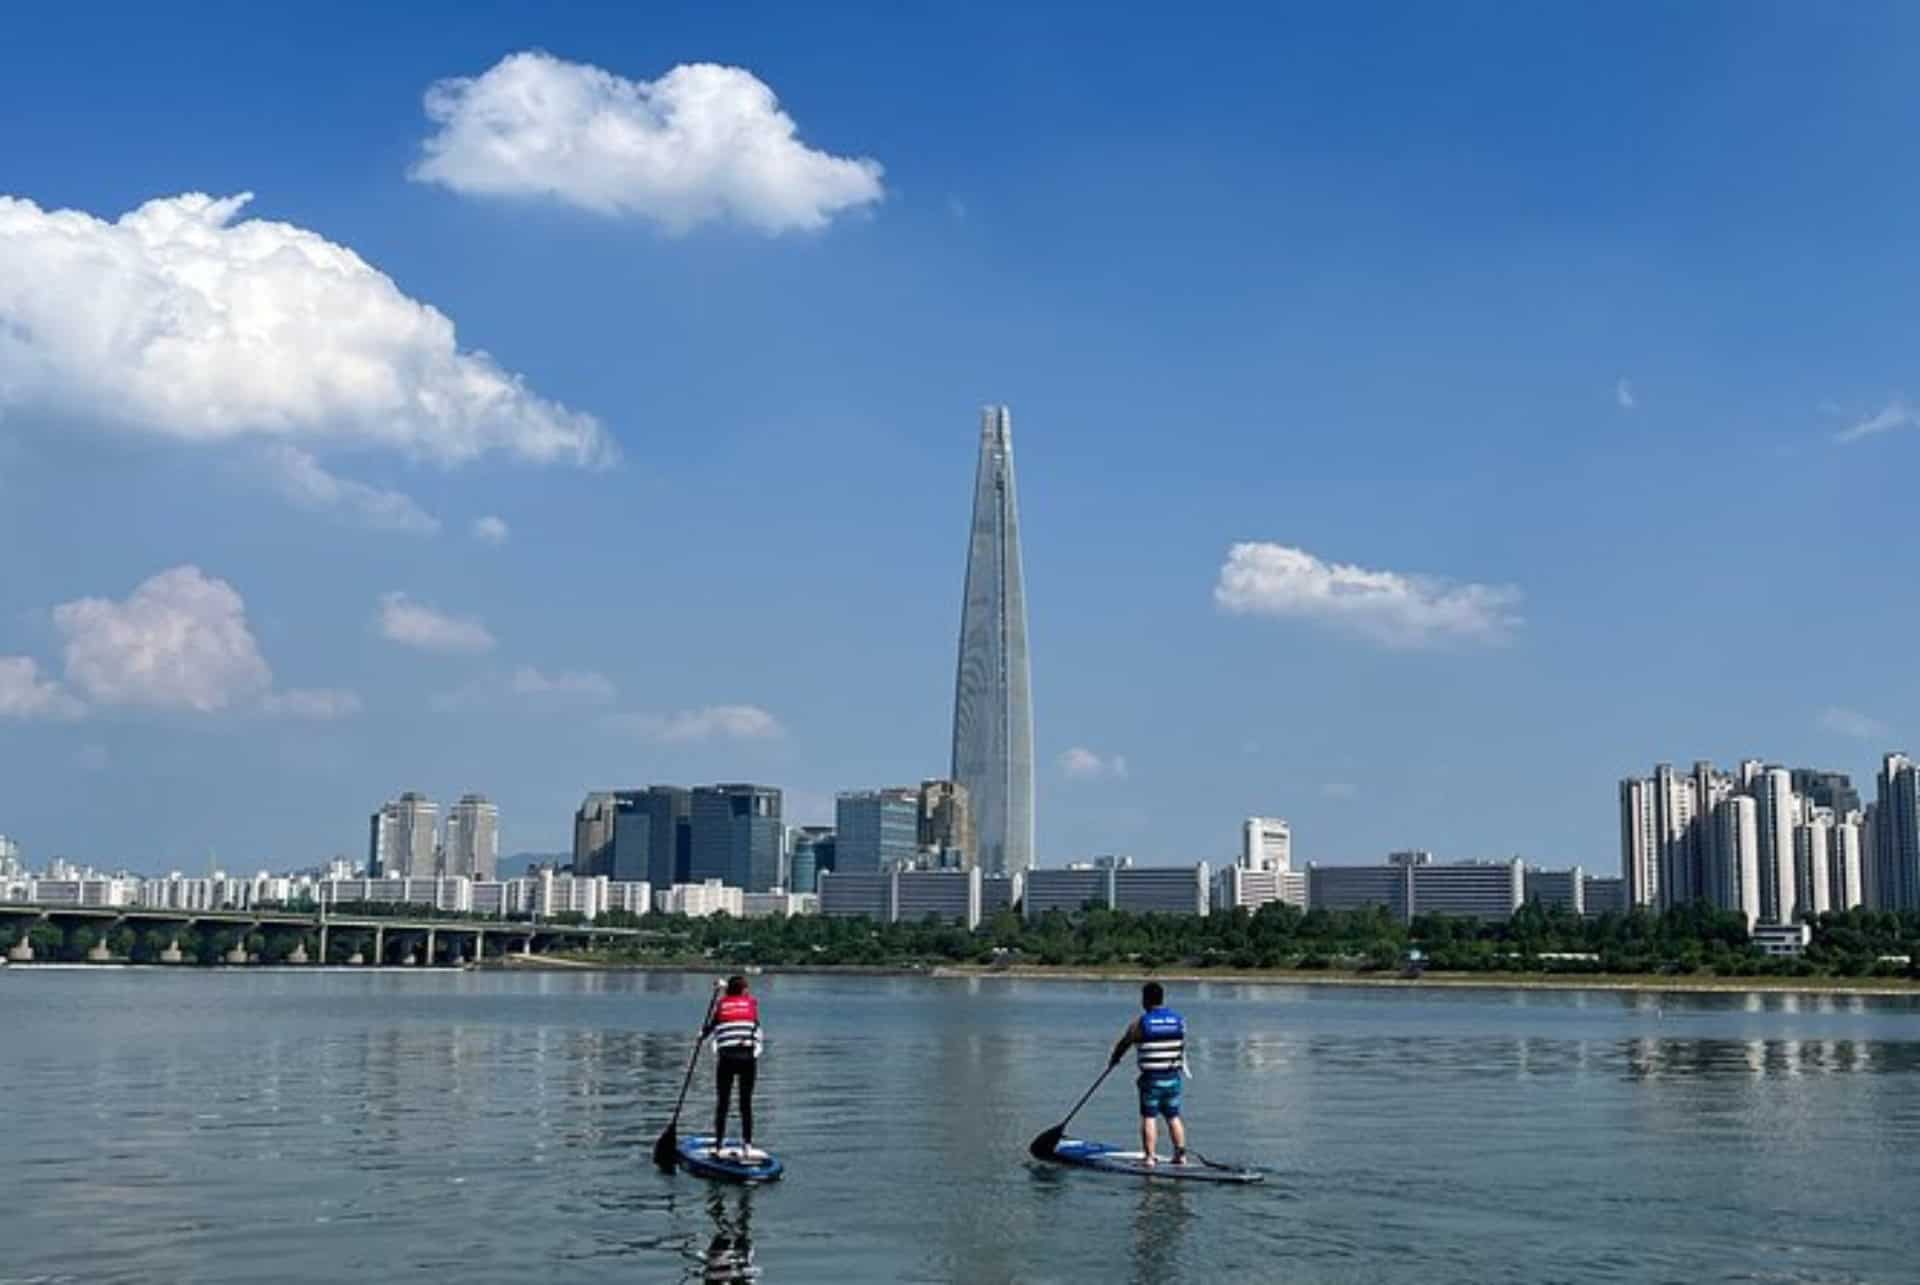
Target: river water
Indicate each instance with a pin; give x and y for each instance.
(249, 1126)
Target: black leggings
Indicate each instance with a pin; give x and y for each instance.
(742, 1069)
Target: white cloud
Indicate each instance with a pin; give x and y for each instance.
(322, 704)
(714, 722)
(415, 624)
(1895, 414)
(490, 530)
(1392, 608)
(179, 641)
(25, 694)
(177, 321)
(1849, 722)
(1340, 790)
(1623, 394)
(532, 689)
(703, 142)
(1081, 764)
(305, 481)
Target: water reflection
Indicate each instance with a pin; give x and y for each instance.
(729, 1254)
(1160, 1219)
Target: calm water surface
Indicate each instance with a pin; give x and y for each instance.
(250, 1126)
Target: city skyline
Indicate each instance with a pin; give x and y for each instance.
(1359, 464)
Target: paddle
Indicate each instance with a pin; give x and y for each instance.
(1042, 1147)
(666, 1151)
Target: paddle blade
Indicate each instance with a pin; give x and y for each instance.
(666, 1150)
(1043, 1147)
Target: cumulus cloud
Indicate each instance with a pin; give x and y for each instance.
(714, 722)
(179, 641)
(25, 694)
(1623, 394)
(1391, 608)
(703, 142)
(490, 530)
(533, 689)
(1850, 722)
(304, 480)
(1082, 764)
(1895, 414)
(176, 320)
(415, 624)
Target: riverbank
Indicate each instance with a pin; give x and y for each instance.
(1887, 987)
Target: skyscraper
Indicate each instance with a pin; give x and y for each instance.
(472, 848)
(992, 694)
(652, 835)
(946, 824)
(593, 834)
(401, 839)
(1896, 835)
(737, 836)
(1266, 843)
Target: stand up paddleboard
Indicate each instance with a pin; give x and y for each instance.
(1102, 1158)
(698, 1154)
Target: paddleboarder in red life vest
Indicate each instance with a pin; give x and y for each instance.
(1159, 1036)
(735, 1028)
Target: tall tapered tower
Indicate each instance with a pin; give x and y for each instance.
(992, 695)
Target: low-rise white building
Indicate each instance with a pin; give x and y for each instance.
(698, 900)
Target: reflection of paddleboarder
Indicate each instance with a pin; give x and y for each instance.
(730, 1252)
(735, 1028)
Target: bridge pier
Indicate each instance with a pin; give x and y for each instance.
(21, 952)
(172, 955)
(379, 943)
(479, 944)
(323, 941)
(429, 948)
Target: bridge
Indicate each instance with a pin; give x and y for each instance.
(356, 939)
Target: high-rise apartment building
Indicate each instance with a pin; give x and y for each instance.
(1847, 887)
(876, 830)
(472, 846)
(1812, 861)
(992, 697)
(1266, 843)
(736, 836)
(1779, 814)
(402, 839)
(1831, 790)
(946, 824)
(1735, 881)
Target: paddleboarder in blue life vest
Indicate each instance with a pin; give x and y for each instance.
(735, 1027)
(1159, 1038)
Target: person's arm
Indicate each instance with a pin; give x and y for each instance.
(1127, 1038)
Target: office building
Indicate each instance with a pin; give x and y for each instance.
(1067, 890)
(1361, 888)
(1830, 790)
(652, 835)
(780, 905)
(1236, 887)
(736, 836)
(999, 893)
(1557, 889)
(946, 824)
(952, 896)
(701, 899)
(10, 860)
(1161, 890)
(1604, 895)
(868, 894)
(1490, 890)
(402, 842)
(876, 829)
(593, 835)
(472, 846)
(992, 696)
(812, 850)
(1266, 843)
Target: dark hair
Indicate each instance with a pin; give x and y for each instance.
(1151, 996)
(736, 985)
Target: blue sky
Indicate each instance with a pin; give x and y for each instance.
(1583, 332)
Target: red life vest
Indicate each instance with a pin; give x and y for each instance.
(736, 1026)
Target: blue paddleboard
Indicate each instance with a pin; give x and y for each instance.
(1102, 1158)
(697, 1153)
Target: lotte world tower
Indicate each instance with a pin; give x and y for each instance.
(992, 695)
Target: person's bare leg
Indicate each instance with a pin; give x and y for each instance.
(1148, 1137)
(1177, 1130)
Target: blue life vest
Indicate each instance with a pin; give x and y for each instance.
(1162, 1047)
